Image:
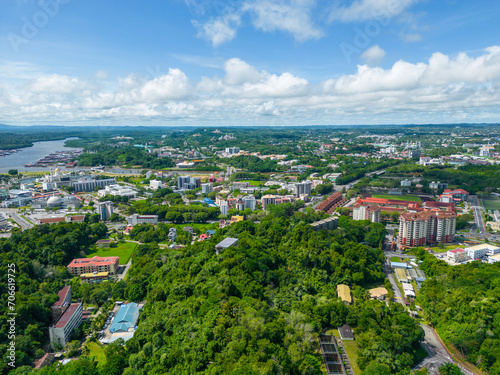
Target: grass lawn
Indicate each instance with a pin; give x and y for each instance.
(97, 352)
(198, 227)
(413, 198)
(395, 259)
(123, 250)
(444, 249)
(491, 204)
(351, 349)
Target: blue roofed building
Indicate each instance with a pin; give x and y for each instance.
(126, 318)
(400, 265)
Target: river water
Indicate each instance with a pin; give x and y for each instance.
(31, 155)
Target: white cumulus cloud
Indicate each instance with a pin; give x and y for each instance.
(362, 10)
(373, 55)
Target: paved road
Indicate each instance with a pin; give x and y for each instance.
(438, 354)
(127, 266)
(397, 293)
(18, 219)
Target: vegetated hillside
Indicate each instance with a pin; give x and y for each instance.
(463, 303)
(257, 308)
(39, 256)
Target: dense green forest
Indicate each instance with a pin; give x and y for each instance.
(257, 308)
(123, 156)
(473, 178)
(463, 303)
(15, 140)
(40, 256)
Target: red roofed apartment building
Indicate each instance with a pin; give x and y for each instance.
(95, 264)
(426, 227)
(66, 315)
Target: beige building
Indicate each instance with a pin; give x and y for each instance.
(344, 293)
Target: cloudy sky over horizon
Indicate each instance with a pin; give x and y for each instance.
(249, 62)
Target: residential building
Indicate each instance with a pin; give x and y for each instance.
(155, 184)
(457, 255)
(207, 188)
(60, 332)
(95, 264)
(142, 219)
(188, 182)
(232, 150)
(302, 188)
(438, 185)
(330, 204)
(224, 208)
(250, 202)
(364, 212)
(414, 153)
(406, 183)
(329, 223)
(105, 210)
(268, 200)
(59, 307)
(426, 227)
(344, 293)
(459, 194)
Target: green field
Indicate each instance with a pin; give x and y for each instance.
(123, 250)
(412, 198)
(491, 204)
(351, 349)
(97, 352)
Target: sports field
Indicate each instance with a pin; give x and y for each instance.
(491, 204)
(413, 198)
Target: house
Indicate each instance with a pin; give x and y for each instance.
(346, 332)
(210, 232)
(225, 243)
(344, 293)
(203, 237)
(378, 293)
(188, 229)
(103, 243)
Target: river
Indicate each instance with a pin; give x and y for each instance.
(32, 154)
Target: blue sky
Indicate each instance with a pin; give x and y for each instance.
(249, 62)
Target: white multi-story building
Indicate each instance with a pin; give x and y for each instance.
(362, 212)
(302, 188)
(457, 255)
(207, 188)
(117, 190)
(406, 183)
(224, 207)
(250, 202)
(91, 185)
(105, 210)
(155, 184)
(141, 219)
(60, 332)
